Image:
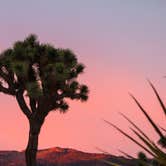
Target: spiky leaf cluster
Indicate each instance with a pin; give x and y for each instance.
(153, 148)
(41, 71)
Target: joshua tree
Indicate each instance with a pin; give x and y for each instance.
(40, 77)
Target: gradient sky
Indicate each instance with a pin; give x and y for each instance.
(121, 42)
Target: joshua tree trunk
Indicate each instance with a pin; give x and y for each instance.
(32, 147)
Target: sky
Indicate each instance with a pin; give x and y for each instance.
(121, 43)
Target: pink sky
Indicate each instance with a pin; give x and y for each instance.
(121, 45)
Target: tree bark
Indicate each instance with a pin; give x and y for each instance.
(32, 146)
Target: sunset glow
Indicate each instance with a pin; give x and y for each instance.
(121, 43)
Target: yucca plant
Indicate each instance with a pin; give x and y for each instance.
(154, 149)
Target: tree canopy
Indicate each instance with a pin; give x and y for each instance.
(44, 74)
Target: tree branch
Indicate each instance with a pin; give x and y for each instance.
(7, 77)
(7, 90)
(22, 104)
(53, 106)
(32, 103)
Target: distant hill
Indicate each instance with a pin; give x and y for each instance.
(62, 157)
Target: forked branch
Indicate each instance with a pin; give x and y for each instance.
(22, 104)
